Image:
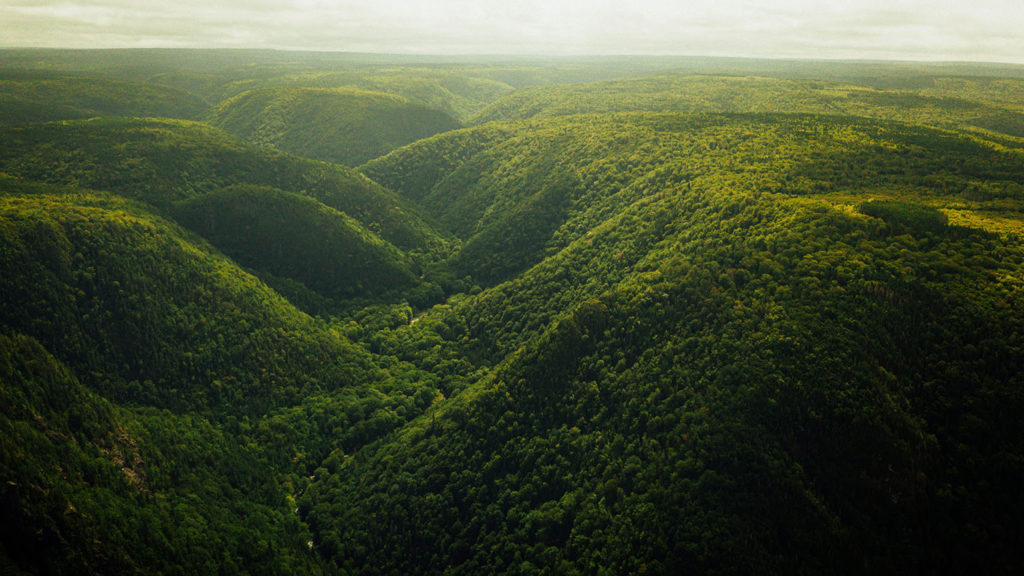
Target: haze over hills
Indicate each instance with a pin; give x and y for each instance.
(982, 31)
(40, 97)
(569, 316)
(993, 105)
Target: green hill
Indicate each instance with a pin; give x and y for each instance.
(516, 192)
(37, 97)
(91, 487)
(716, 324)
(947, 102)
(458, 91)
(372, 242)
(487, 186)
(163, 161)
(117, 291)
(720, 368)
(154, 391)
(415, 170)
(296, 237)
(171, 163)
(344, 126)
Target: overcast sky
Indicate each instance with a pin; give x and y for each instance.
(989, 30)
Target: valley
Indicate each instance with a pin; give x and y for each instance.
(282, 312)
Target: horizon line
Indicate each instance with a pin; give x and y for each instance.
(515, 55)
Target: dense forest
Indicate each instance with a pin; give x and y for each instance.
(280, 313)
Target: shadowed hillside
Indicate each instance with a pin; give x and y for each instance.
(735, 317)
(717, 365)
(344, 126)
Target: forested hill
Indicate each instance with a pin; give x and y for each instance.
(331, 229)
(163, 161)
(140, 370)
(39, 97)
(344, 126)
(944, 101)
(725, 317)
(518, 192)
(722, 302)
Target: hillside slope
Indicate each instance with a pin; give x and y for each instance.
(146, 380)
(344, 126)
(125, 295)
(946, 102)
(163, 161)
(378, 242)
(36, 97)
(91, 487)
(679, 324)
(517, 192)
(296, 237)
(721, 366)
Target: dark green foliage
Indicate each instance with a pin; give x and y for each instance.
(43, 98)
(679, 324)
(163, 161)
(144, 315)
(344, 126)
(296, 237)
(92, 488)
(697, 333)
(906, 216)
(121, 295)
(629, 434)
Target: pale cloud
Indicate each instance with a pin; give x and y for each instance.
(910, 29)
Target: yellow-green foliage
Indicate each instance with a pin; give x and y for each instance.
(516, 192)
(765, 320)
(42, 98)
(955, 106)
(701, 327)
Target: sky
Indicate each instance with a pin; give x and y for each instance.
(972, 30)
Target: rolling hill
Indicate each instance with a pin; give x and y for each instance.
(296, 237)
(39, 97)
(135, 362)
(377, 242)
(163, 161)
(717, 366)
(344, 126)
(948, 102)
(517, 192)
(725, 323)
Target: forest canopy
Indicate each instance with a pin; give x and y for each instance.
(266, 313)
